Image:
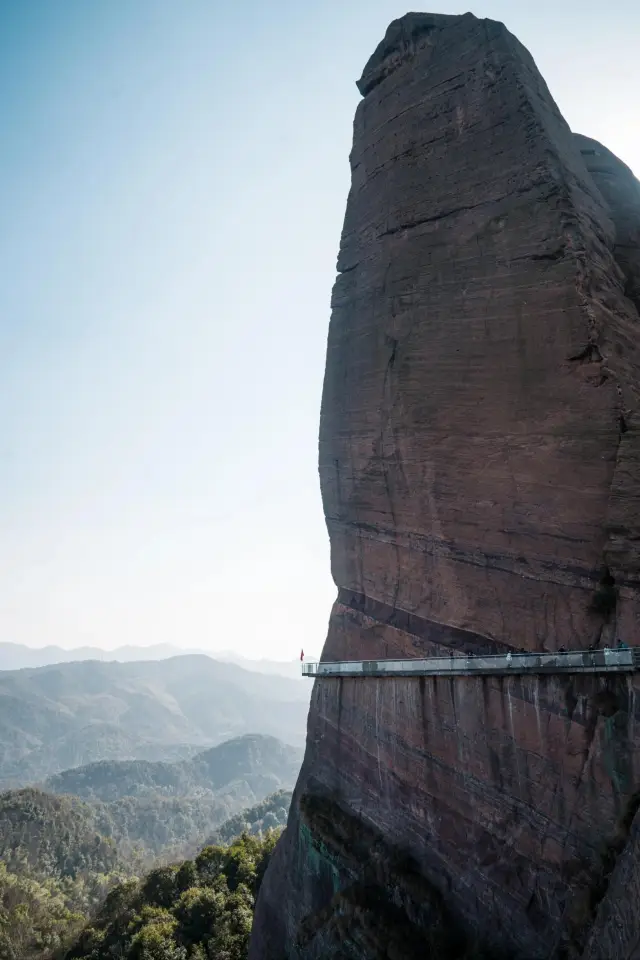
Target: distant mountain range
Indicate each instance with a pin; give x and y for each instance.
(104, 815)
(66, 715)
(16, 656)
(169, 809)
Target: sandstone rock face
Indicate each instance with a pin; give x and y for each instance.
(619, 188)
(480, 473)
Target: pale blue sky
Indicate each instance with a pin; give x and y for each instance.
(172, 184)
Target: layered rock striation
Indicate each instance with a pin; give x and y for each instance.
(479, 464)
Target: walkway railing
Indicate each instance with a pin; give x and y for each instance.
(623, 660)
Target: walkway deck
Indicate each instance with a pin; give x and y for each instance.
(573, 661)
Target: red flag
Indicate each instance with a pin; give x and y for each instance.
(301, 655)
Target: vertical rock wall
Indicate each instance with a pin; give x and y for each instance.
(480, 479)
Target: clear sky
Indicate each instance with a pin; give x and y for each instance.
(173, 178)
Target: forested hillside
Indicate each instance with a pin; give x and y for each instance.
(195, 910)
(57, 717)
(56, 870)
(167, 814)
(263, 763)
(52, 836)
(165, 810)
(270, 814)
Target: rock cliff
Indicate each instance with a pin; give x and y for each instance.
(480, 478)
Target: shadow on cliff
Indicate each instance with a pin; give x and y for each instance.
(385, 909)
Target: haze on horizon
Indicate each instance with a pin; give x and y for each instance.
(173, 181)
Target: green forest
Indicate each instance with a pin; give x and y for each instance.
(67, 891)
(200, 909)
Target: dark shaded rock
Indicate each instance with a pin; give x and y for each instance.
(615, 934)
(405, 39)
(480, 479)
(619, 187)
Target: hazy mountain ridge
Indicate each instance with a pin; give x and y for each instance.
(67, 715)
(253, 759)
(152, 810)
(18, 656)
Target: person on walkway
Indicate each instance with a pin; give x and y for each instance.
(301, 656)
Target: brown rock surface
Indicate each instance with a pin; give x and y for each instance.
(480, 479)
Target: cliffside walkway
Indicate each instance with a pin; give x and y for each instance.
(623, 660)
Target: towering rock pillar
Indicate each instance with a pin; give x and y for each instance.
(480, 479)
